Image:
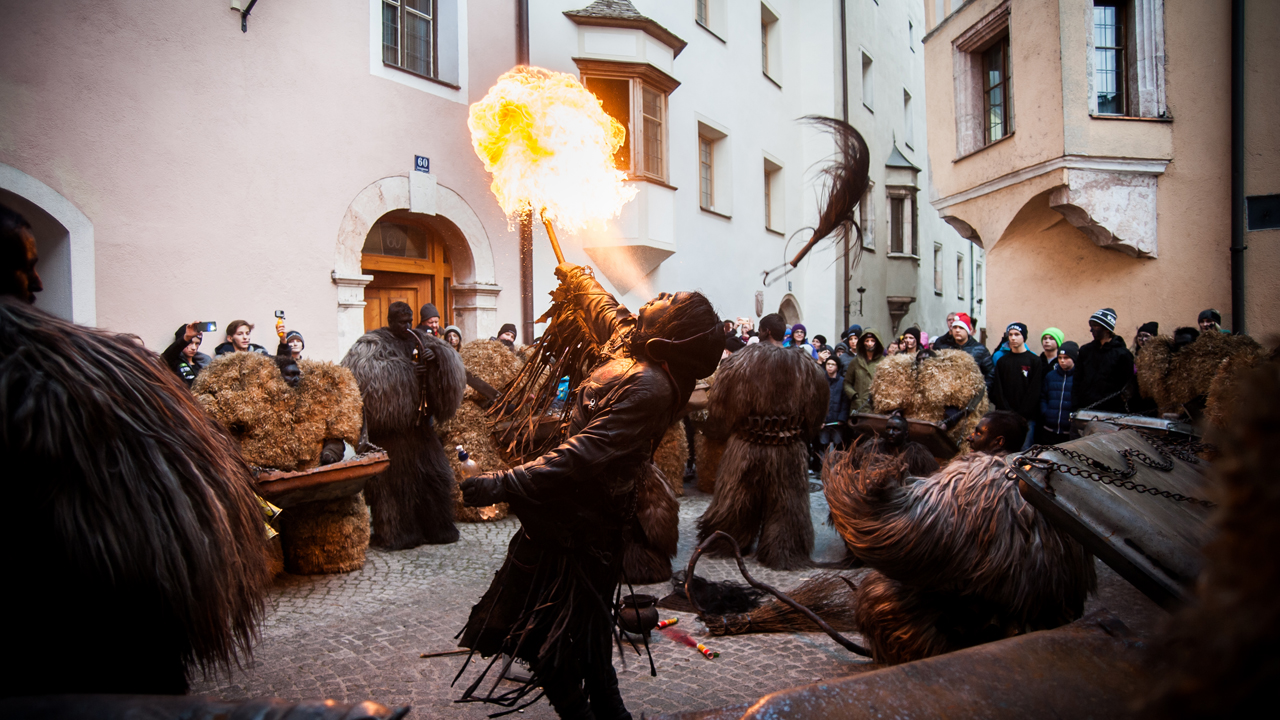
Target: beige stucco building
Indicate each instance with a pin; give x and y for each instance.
(1086, 146)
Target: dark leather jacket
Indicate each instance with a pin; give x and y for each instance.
(585, 485)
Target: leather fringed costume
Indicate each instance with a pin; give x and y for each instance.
(551, 603)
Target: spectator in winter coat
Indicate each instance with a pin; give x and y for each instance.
(837, 409)
(238, 340)
(183, 355)
(861, 370)
(910, 341)
(1017, 378)
(798, 341)
(944, 341)
(430, 319)
(1104, 368)
(1050, 340)
(1055, 397)
(961, 338)
(1210, 320)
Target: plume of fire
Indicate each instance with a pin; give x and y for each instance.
(549, 146)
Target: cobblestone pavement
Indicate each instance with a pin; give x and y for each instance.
(358, 635)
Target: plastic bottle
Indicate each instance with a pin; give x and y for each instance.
(469, 467)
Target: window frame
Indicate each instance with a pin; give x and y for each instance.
(867, 217)
(774, 207)
(970, 82)
(770, 57)
(868, 81)
(908, 224)
(402, 30)
(641, 77)
(1120, 61)
(706, 172)
(1004, 86)
(937, 269)
(908, 120)
(960, 275)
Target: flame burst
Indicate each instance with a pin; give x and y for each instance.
(548, 144)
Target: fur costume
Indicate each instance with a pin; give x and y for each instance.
(1219, 657)
(278, 426)
(411, 501)
(958, 558)
(1225, 392)
(771, 401)
(923, 389)
(709, 452)
(671, 456)
(492, 362)
(139, 550)
(1173, 379)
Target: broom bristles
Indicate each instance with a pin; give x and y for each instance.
(829, 595)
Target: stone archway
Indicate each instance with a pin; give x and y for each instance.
(789, 309)
(64, 240)
(475, 290)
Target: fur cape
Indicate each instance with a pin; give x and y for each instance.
(656, 534)
(958, 558)
(278, 426)
(493, 363)
(762, 490)
(1218, 658)
(923, 390)
(1173, 379)
(136, 535)
(411, 502)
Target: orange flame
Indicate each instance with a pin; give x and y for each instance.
(548, 144)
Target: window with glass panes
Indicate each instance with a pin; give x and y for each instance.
(700, 11)
(639, 105)
(409, 35)
(997, 90)
(1109, 56)
(706, 191)
(653, 105)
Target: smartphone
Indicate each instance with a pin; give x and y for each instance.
(280, 314)
(205, 327)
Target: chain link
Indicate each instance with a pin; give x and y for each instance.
(1101, 473)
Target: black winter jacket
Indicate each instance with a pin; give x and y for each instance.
(1102, 370)
(173, 358)
(980, 355)
(1055, 399)
(1014, 390)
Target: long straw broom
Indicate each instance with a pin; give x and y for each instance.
(829, 596)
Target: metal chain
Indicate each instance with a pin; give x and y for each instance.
(1113, 477)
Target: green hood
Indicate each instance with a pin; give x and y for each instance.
(879, 353)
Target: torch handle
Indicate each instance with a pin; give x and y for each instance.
(551, 233)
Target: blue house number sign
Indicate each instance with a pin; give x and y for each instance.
(422, 164)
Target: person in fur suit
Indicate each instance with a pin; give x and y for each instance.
(941, 386)
(139, 553)
(578, 504)
(769, 401)
(1217, 658)
(958, 558)
(1180, 375)
(410, 380)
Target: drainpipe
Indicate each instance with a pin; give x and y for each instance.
(1237, 166)
(844, 115)
(526, 219)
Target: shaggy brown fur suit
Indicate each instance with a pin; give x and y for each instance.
(923, 389)
(412, 500)
(1219, 658)
(278, 426)
(1175, 378)
(958, 558)
(138, 548)
(762, 490)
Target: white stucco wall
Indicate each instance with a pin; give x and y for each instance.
(722, 84)
(215, 168)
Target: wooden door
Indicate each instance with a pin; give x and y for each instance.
(387, 288)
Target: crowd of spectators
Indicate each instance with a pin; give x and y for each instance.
(1042, 379)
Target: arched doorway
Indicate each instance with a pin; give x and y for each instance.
(473, 293)
(64, 241)
(408, 258)
(789, 309)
